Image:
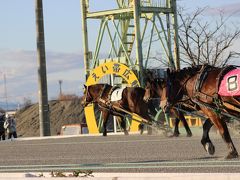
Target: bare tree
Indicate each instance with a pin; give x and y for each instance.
(206, 42)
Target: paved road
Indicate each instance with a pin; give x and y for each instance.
(118, 153)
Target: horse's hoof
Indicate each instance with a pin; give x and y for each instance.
(104, 134)
(175, 134)
(209, 147)
(126, 133)
(149, 131)
(140, 126)
(189, 134)
(232, 155)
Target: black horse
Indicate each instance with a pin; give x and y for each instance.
(132, 101)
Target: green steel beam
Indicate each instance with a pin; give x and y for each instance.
(112, 41)
(169, 42)
(138, 40)
(99, 41)
(114, 38)
(150, 42)
(167, 39)
(127, 11)
(163, 45)
(114, 12)
(144, 28)
(124, 29)
(121, 42)
(163, 10)
(176, 41)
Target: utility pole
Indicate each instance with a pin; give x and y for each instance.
(5, 90)
(60, 87)
(42, 76)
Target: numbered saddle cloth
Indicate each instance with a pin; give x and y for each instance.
(117, 94)
(230, 84)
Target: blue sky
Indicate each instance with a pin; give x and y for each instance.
(63, 40)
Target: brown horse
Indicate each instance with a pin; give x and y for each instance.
(199, 85)
(132, 101)
(154, 88)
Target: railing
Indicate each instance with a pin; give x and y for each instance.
(154, 3)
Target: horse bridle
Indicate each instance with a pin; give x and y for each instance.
(152, 83)
(87, 95)
(183, 86)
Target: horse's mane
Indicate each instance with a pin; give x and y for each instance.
(187, 71)
(140, 91)
(99, 85)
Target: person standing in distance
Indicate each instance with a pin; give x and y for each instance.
(2, 129)
(10, 126)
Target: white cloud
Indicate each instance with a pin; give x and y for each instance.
(230, 9)
(20, 68)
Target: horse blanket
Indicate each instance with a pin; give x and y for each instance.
(229, 86)
(117, 94)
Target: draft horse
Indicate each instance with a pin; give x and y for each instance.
(200, 85)
(154, 89)
(132, 101)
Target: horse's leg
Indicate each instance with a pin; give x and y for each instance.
(223, 130)
(176, 124)
(105, 115)
(141, 128)
(176, 129)
(185, 124)
(143, 112)
(227, 138)
(151, 108)
(145, 115)
(206, 142)
(123, 125)
(179, 116)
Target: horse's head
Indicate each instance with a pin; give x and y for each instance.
(161, 90)
(154, 88)
(87, 97)
(177, 83)
(149, 92)
(171, 91)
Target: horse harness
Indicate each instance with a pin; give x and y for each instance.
(197, 93)
(201, 77)
(87, 94)
(107, 100)
(217, 105)
(106, 103)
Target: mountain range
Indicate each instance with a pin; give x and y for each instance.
(10, 106)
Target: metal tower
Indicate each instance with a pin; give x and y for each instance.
(132, 31)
